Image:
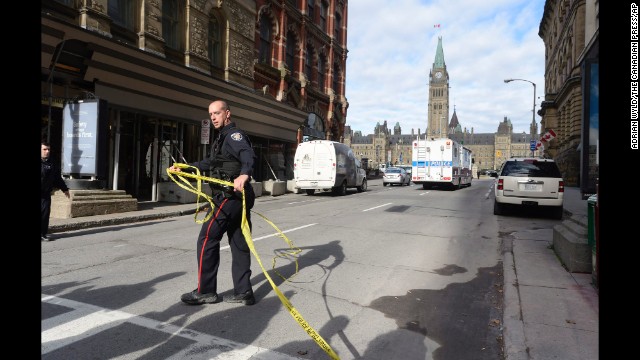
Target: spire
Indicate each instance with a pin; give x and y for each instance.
(454, 120)
(439, 61)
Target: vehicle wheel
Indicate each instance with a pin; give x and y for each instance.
(498, 209)
(363, 187)
(310, 191)
(557, 212)
(341, 190)
(384, 184)
(426, 186)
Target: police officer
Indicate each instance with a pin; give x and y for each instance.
(50, 178)
(231, 159)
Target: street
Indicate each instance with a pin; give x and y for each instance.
(395, 272)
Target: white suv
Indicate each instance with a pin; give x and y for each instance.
(529, 182)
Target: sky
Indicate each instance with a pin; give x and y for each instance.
(392, 46)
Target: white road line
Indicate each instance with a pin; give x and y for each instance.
(489, 192)
(274, 234)
(424, 193)
(377, 207)
(304, 201)
(87, 320)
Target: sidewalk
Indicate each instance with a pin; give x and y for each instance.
(549, 313)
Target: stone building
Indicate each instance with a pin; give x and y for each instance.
(153, 66)
(570, 32)
(489, 150)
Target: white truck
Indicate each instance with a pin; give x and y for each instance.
(327, 165)
(440, 162)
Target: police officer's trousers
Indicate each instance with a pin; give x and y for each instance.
(226, 218)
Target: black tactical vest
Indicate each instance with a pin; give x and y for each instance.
(223, 166)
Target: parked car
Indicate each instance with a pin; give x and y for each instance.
(406, 168)
(488, 172)
(395, 175)
(529, 182)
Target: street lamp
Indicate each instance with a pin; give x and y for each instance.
(534, 101)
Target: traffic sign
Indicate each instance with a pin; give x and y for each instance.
(532, 145)
(205, 135)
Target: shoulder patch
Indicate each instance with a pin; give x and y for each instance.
(236, 136)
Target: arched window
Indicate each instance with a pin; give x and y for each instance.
(172, 23)
(215, 41)
(122, 13)
(290, 51)
(264, 54)
(308, 63)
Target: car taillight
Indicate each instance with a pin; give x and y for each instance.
(500, 184)
(561, 186)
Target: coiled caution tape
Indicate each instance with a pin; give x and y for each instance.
(246, 231)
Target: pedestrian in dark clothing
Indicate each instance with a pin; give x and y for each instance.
(50, 179)
(231, 159)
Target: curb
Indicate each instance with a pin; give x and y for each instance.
(117, 220)
(513, 326)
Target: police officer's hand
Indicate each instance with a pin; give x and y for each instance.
(238, 183)
(174, 168)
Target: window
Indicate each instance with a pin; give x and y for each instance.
(290, 52)
(336, 79)
(308, 64)
(337, 26)
(122, 12)
(265, 40)
(215, 44)
(323, 15)
(310, 7)
(322, 69)
(530, 168)
(171, 31)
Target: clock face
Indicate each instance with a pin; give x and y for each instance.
(438, 75)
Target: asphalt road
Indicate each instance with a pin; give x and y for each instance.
(391, 273)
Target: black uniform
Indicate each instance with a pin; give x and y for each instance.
(231, 156)
(50, 178)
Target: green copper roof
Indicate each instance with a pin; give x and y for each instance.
(439, 61)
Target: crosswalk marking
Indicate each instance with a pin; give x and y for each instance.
(86, 320)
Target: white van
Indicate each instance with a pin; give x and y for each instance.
(327, 165)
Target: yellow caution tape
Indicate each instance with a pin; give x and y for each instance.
(246, 231)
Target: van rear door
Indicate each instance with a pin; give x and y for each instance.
(315, 162)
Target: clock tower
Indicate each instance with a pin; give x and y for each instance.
(438, 112)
